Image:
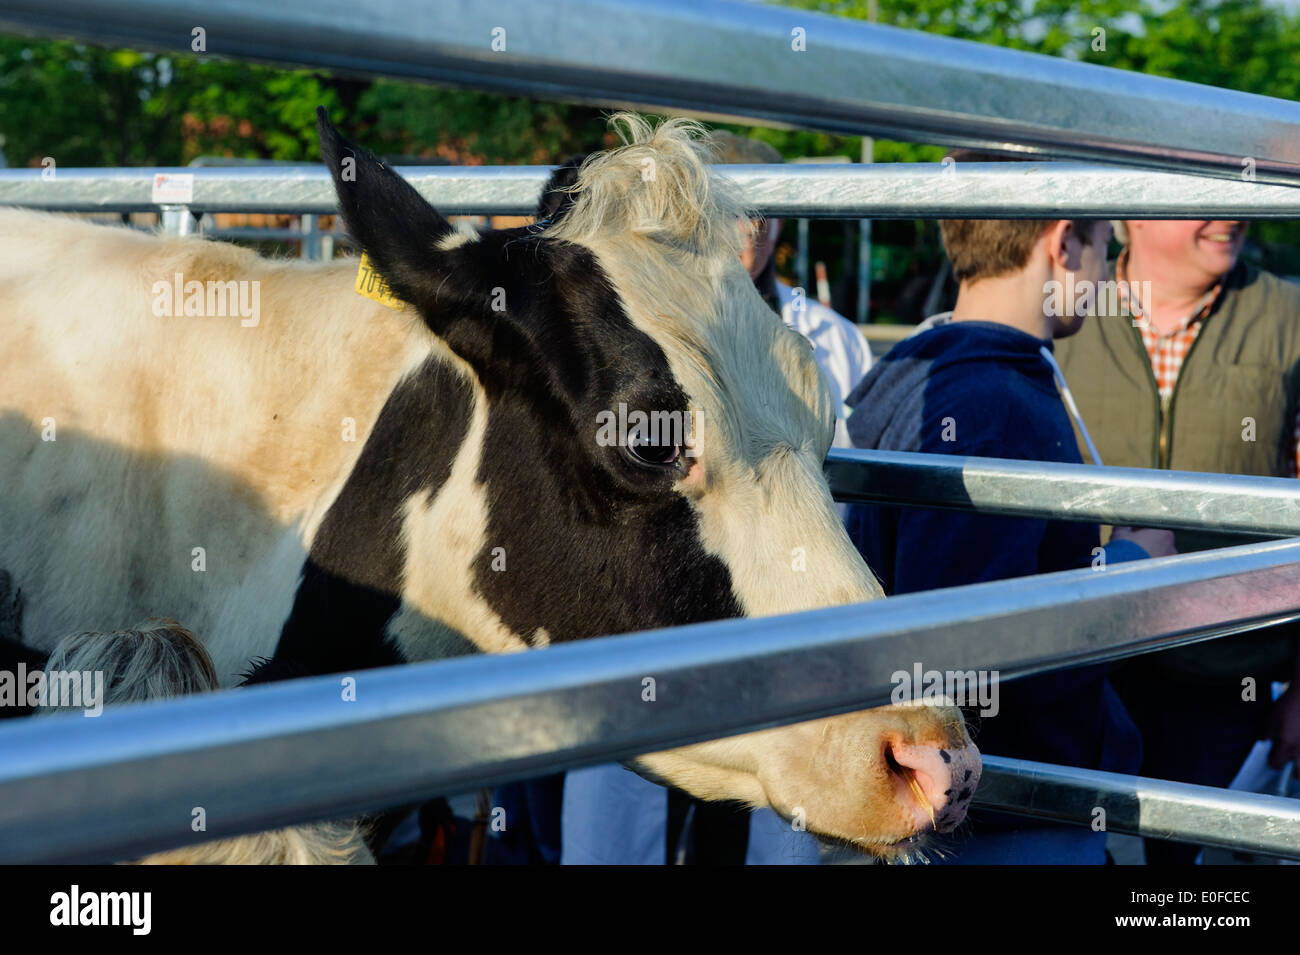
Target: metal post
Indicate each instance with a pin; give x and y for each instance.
(864, 249)
(310, 239)
(864, 241)
(177, 220)
(801, 256)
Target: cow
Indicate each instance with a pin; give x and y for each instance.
(342, 481)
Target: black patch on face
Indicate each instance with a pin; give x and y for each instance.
(593, 544)
(352, 580)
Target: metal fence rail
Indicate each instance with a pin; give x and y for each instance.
(1141, 497)
(1143, 807)
(850, 77)
(125, 783)
(878, 191)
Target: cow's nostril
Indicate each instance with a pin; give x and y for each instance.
(924, 778)
(912, 784)
(894, 765)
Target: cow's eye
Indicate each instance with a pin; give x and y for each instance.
(645, 454)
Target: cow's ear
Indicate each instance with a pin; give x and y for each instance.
(396, 227)
(558, 193)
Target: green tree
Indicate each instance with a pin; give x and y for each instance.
(476, 127)
(85, 106)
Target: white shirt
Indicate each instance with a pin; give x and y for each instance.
(839, 347)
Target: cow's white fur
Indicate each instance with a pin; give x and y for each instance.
(239, 431)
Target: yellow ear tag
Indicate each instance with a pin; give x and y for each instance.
(372, 285)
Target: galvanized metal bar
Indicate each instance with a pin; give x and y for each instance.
(1141, 497)
(474, 190)
(1143, 807)
(123, 784)
(270, 233)
(783, 66)
(177, 220)
(877, 191)
(802, 252)
(311, 246)
(1028, 190)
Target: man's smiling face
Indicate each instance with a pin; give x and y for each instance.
(1209, 248)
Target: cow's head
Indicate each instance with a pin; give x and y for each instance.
(562, 514)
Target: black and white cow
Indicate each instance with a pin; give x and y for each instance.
(347, 484)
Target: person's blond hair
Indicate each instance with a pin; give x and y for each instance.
(325, 843)
(159, 660)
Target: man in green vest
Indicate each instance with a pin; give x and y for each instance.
(1192, 362)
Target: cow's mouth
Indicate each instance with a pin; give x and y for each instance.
(910, 850)
(918, 850)
(906, 850)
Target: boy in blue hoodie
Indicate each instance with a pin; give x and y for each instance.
(980, 381)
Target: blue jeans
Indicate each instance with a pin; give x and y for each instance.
(1191, 733)
(612, 816)
(1033, 845)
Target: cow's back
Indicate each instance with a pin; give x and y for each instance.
(175, 465)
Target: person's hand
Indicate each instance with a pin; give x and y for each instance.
(1157, 543)
(1284, 729)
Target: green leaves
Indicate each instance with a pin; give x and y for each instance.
(91, 107)
(473, 127)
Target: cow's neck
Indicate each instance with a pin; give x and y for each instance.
(354, 575)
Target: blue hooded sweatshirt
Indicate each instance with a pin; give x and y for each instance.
(983, 389)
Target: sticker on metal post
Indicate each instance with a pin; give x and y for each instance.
(173, 188)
